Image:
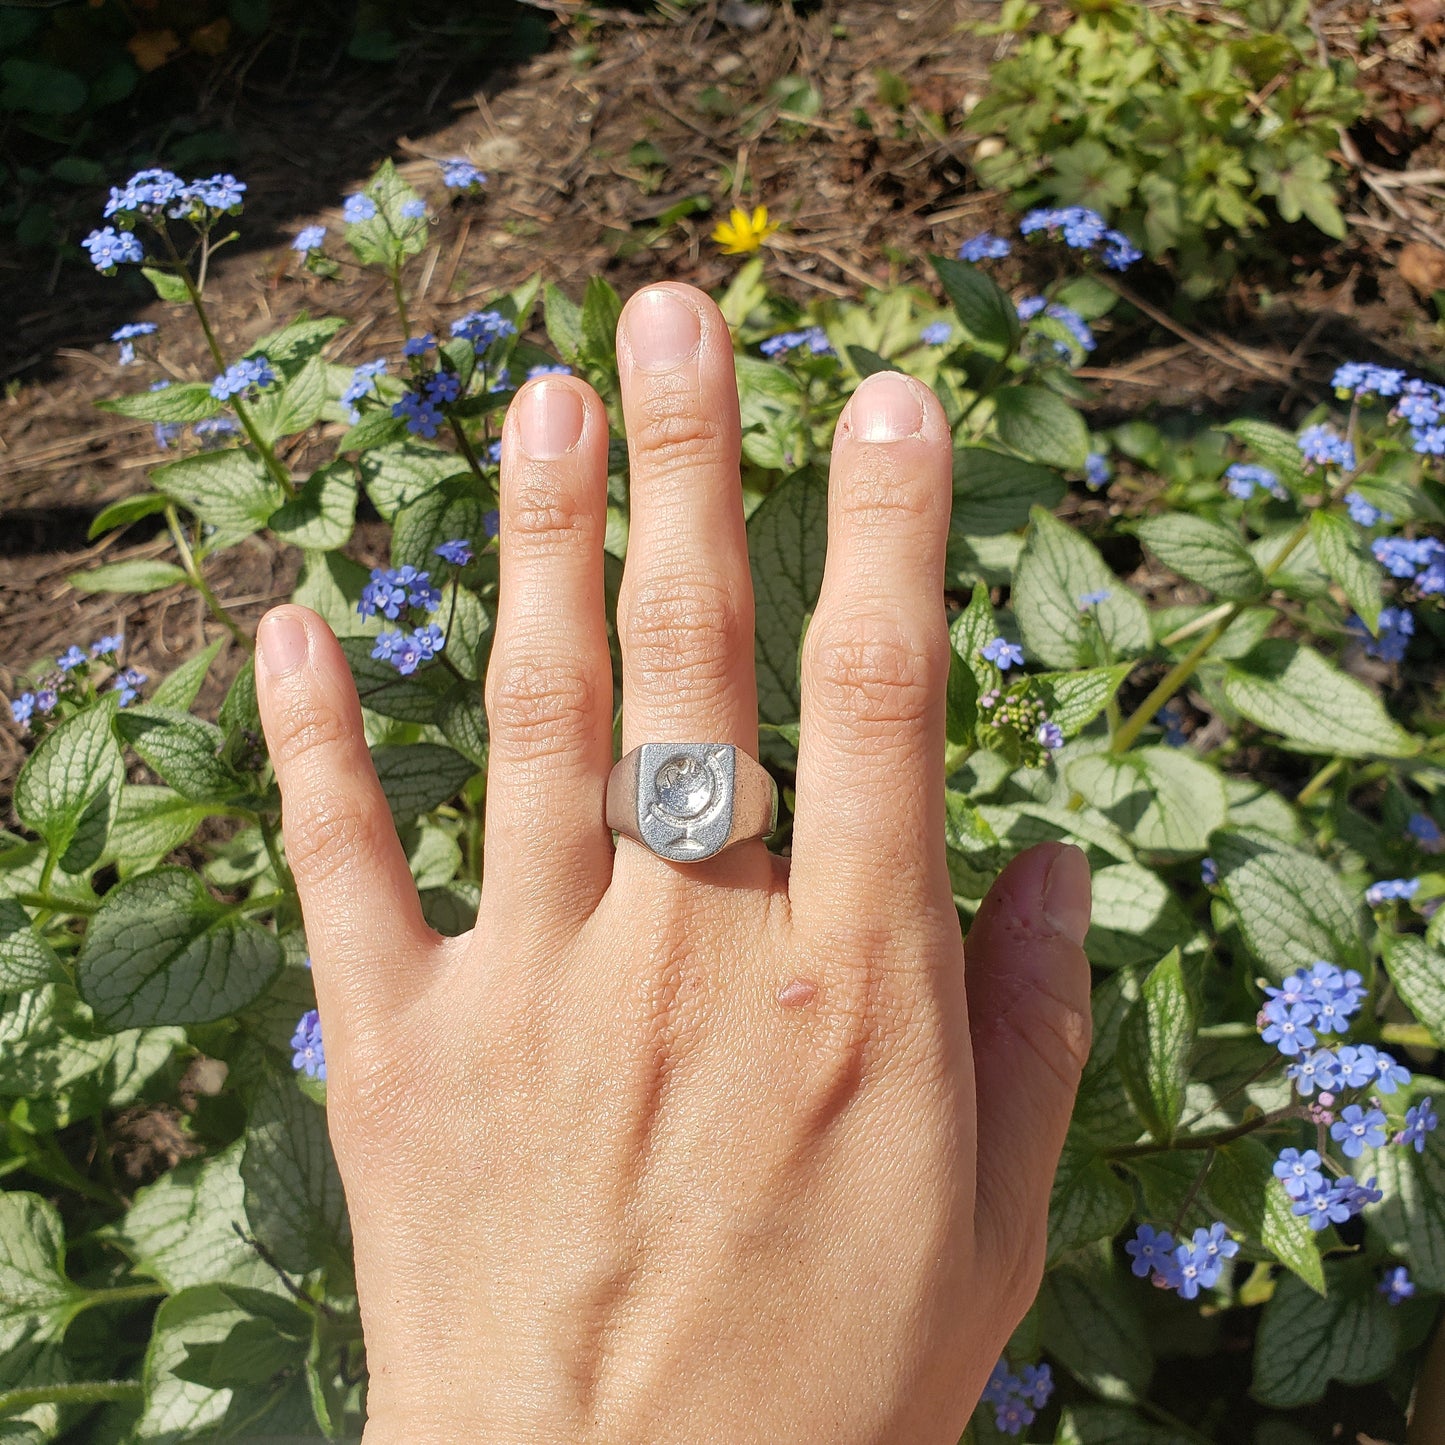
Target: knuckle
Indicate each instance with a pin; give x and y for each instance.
(874, 674)
(546, 519)
(303, 731)
(539, 709)
(327, 836)
(682, 632)
(674, 431)
(881, 496)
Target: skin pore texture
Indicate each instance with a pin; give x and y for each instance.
(751, 1149)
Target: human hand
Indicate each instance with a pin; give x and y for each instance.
(729, 1150)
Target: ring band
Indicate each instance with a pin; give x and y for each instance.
(689, 801)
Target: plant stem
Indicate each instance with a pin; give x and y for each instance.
(1410, 1036)
(469, 452)
(1320, 780)
(88, 1392)
(1211, 1140)
(193, 572)
(56, 905)
(121, 1294)
(1173, 1422)
(400, 296)
(1193, 1193)
(273, 852)
(266, 453)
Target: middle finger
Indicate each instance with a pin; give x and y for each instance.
(685, 612)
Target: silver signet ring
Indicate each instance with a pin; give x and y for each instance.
(688, 801)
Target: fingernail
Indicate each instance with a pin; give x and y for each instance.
(550, 424)
(283, 642)
(1066, 894)
(662, 330)
(885, 408)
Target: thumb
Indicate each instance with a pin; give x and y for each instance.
(1028, 1008)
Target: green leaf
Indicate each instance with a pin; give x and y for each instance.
(382, 689)
(390, 236)
(168, 287)
(1306, 1340)
(34, 1289)
(188, 402)
(178, 689)
(1088, 1202)
(1290, 689)
(1164, 799)
(1418, 973)
(293, 1192)
(972, 630)
(417, 777)
(1057, 567)
(563, 319)
(1337, 540)
(229, 490)
(1292, 908)
(1074, 699)
(1041, 425)
(1205, 552)
(321, 516)
(1136, 917)
(139, 577)
(26, 959)
(280, 411)
(184, 750)
(69, 787)
(1155, 1042)
(1274, 447)
(1092, 1322)
(961, 715)
(397, 474)
(601, 311)
(151, 822)
(182, 1230)
(986, 312)
(1112, 1425)
(128, 509)
(455, 508)
(331, 585)
(186, 1326)
(993, 492)
(290, 348)
(786, 539)
(161, 950)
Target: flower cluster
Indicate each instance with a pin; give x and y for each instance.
(1363, 512)
(1426, 832)
(1420, 561)
(459, 174)
(484, 329)
(1391, 890)
(1097, 471)
(1396, 628)
(250, 373)
(1419, 404)
(362, 383)
(1032, 306)
(394, 591)
(152, 196)
(1083, 230)
(813, 337)
(421, 406)
(308, 239)
(1321, 1001)
(1243, 479)
(308, 1054)
(1186, 1268)
(984, 247)
(1322, 446)
(72, 679)
(936, 333)
(127, 335)
(1016, 1398)
(1303, 1009)
(1397, 1286)
(358, 208)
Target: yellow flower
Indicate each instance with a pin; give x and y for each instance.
(742, 233)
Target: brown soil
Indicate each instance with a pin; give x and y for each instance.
(865, 191)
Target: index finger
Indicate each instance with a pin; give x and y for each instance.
(868, 827)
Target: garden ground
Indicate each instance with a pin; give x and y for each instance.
(603, 154)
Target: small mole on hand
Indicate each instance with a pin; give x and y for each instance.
(798, 993)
